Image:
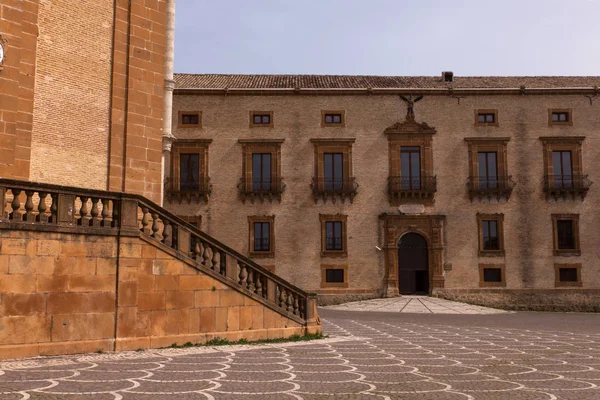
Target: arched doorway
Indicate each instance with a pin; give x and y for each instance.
(413, 264)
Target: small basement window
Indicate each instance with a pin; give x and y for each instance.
(567, 274)
(334, 276)
(492, 275)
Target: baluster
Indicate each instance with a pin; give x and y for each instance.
(29, 216)
(243, 275)
(168, 234)
(199, 251)
(105, 213)
(53, 208)
(83, 211)
(15, 215)
(251, 280)
(282, 297)
(95, 212)
(207, 257)
(116, 210)
(302, 311)
(216, 262)
(296, 305)
(259, 286)
(155, 227)
(42, 217)
(146, 225)
(290, 302)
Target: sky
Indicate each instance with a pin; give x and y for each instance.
(388, 37)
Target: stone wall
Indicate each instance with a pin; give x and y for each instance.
(528, 235)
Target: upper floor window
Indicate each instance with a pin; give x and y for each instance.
(261, 118)
(333, 169)
(487, 162)
(562, 116)
(410, 167)
(491, 235)
(563, 167)
(189, 119)
(332, 118)
(486, 117)
(189, 170)
(488, 169)
(261, 169)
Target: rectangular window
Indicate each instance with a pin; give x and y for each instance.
(565, 228)
(410, 167)
(261, 119)
(486, 118)
(261, 172)
(565, 235)
(189, 171)
(563, 169)
(334, 275)
(567, 274)
(490, 235)
(333, 171)
(189, 119)
(492, 275)
(262, 236)
(333, 118)
(488, 170)
(560, 117)
(333, 235)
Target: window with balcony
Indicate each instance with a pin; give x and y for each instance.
(564, 177)
(189, 171)
(261, 170)
(261, 236)
(333, 170)
(410, 167)
(488, 169)
(333, 235)
(491, 235)
(566, 234)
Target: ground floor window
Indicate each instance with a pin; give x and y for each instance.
(333, 276)
(491, 275)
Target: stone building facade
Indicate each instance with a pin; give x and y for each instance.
(358, 186)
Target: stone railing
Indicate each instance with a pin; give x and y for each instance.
(34, 206)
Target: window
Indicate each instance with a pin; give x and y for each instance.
(567, 275)
(189, 119)
(334, 276)
(563, 167)
(560, 116)
(492, 275)
(488, 169)
(333, 170)
(261, 119)
(486, 117)
(410, 167)
(261, 236)
(566, 234)
(491, 240)
(261, 170)
(189, 171)
(333, 235)
(333, 118)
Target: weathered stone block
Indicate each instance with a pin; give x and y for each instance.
(207, 320)
(231, 298)
(179, 299)
(151, 301)
(233, 318)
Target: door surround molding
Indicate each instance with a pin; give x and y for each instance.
(428, 226)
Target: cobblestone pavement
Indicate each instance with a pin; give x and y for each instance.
(368, 356)
(415, 304)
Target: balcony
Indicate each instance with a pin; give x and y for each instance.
(411, 189)
(490, 187)
(261, 189)
(333, 188)
(192, 190)
(563, 186)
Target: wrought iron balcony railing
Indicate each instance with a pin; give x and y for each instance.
(332, 188)
(192, 189)
(489, 187)
(261, 189)
(411, 188)
(563, 186)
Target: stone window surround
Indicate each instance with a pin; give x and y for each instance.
(486, 111)
(253, 125)
(333, 145)
(325, 284)
(324, 218)
(180, 115)
(333, 125)
(563, 143)
(569, 121)
(261, 254)
(502, 268)
(499, 218)
(263, 146)
(559, 283)
(189, 146)
(497, 145)
(566, 252)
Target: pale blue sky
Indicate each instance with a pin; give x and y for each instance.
(388, 37)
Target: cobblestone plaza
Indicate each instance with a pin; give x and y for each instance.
(373, 355)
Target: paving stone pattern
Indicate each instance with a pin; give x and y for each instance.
(385, 356)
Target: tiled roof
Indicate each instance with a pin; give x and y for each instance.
(217, 81)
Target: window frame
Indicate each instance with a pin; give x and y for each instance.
(559, 283)
(261, 146)
(324, 218)
(342, 122)
(333, 145)
(486, 111)
(483, 283)
(254, 125)
(325, 284)
(499, 218)
(574, 144)
(504, 183)
(568, 111)
(262, 219)
(189, 146)
(575, 220)
(180, 123)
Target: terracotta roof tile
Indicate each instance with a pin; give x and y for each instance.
(217, 81)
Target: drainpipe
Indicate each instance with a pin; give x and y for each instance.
(167, 135)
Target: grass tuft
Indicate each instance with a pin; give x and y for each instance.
(218, 341)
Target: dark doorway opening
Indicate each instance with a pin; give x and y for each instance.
(413, 264)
